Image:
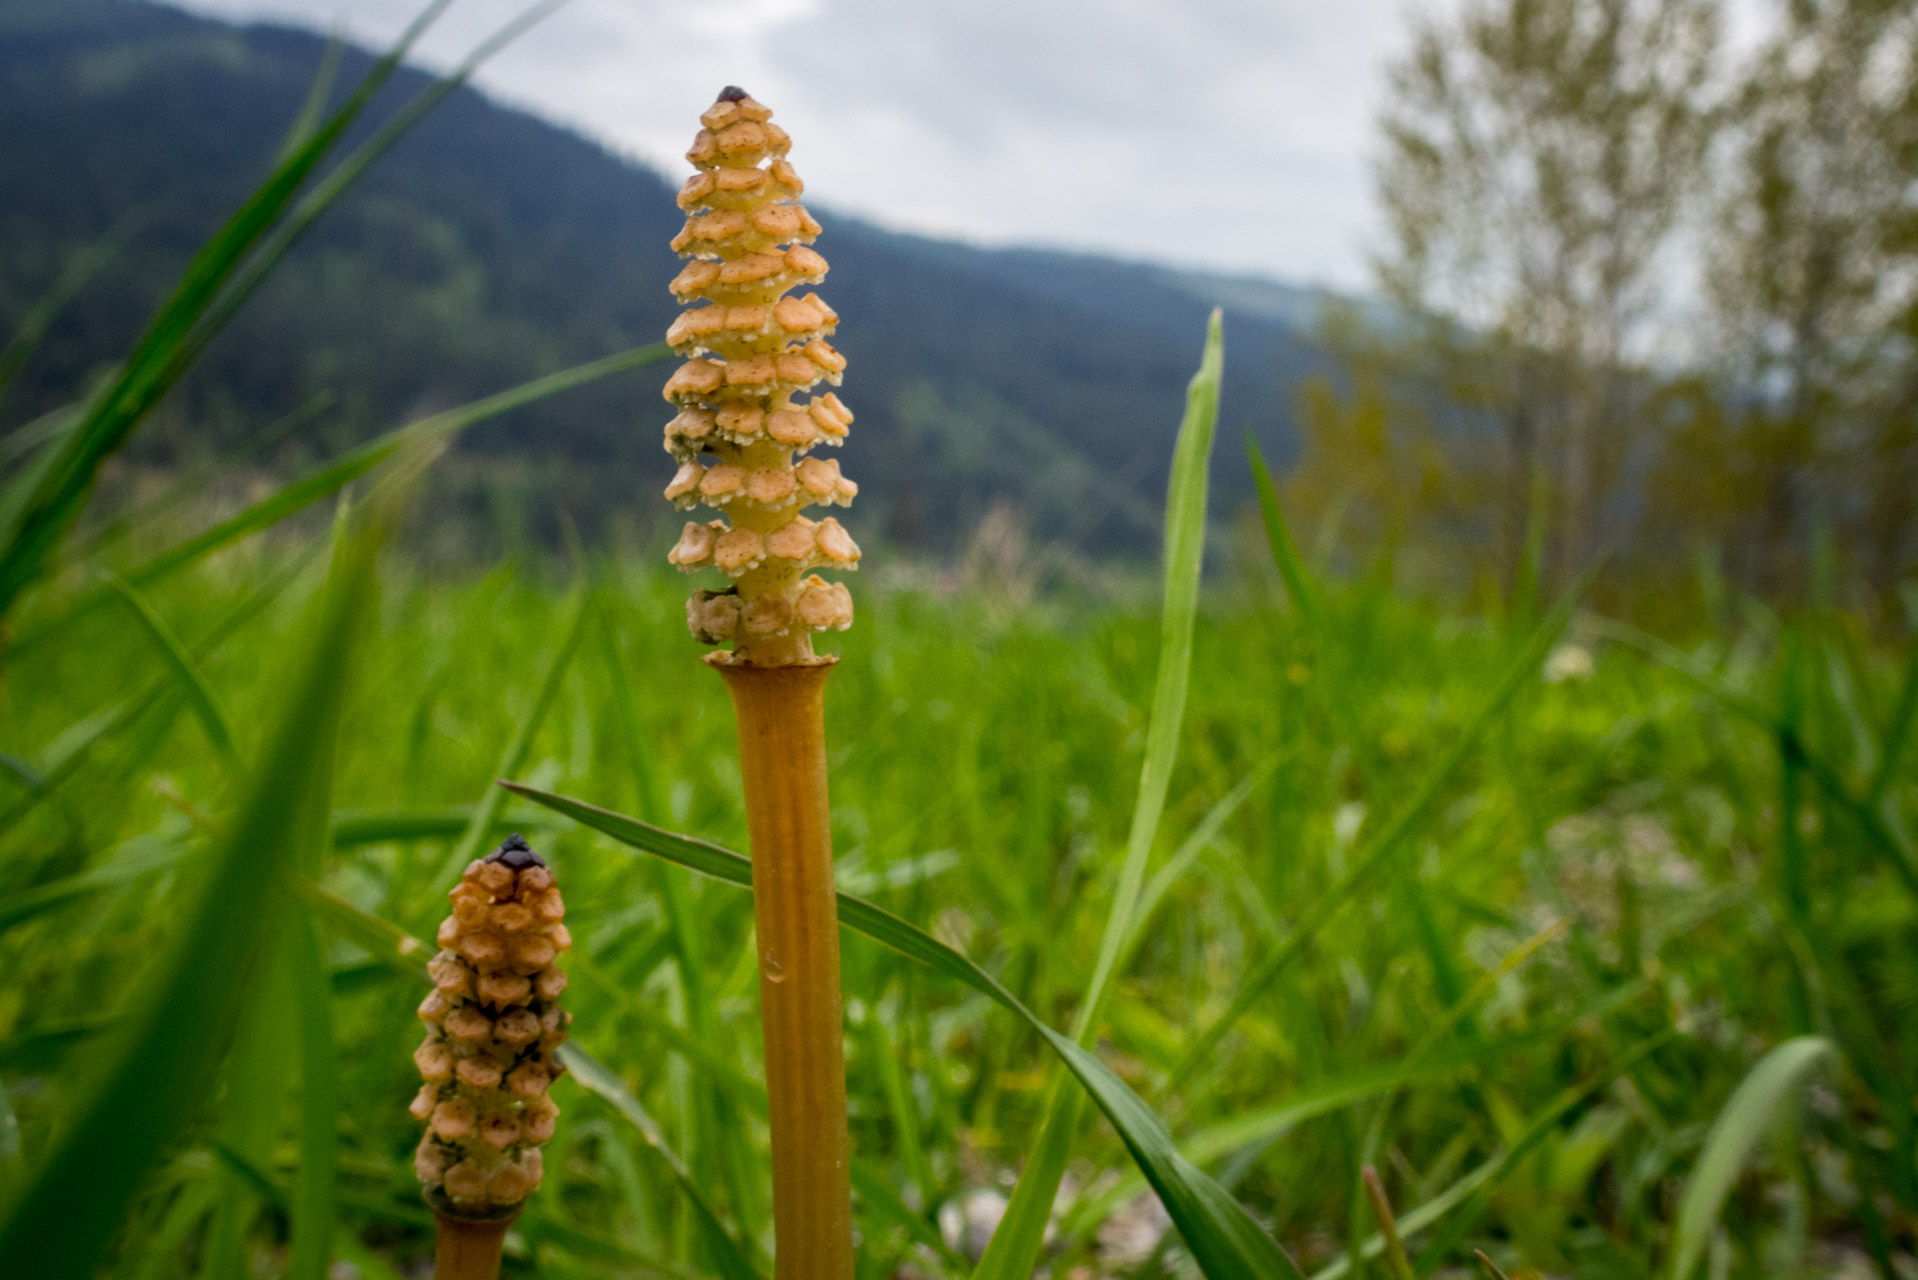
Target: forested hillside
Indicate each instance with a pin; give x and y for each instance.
(491, 246)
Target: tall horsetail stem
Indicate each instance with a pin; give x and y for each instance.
(493, 1029)
(751, 349)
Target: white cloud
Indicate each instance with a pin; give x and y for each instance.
(1227, 133)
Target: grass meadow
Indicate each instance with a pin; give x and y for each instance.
(1509, 922)
(1509, 928)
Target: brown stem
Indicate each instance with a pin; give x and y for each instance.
(782, 756)
(469, 1248)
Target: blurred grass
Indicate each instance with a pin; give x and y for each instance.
(1636, 811)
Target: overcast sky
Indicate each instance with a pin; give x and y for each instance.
(1234, 134)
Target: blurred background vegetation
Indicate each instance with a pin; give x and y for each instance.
(1593, 928)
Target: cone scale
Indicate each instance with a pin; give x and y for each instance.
(753, 424)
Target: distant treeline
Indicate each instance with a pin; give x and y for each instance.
(1669, 300)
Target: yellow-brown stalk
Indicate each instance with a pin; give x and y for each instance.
(782, 756)
(470, 1248)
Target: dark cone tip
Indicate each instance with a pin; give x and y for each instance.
(513, 851)
(732, 93)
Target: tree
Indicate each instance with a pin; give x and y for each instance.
(1814, 280)
(1538, 157)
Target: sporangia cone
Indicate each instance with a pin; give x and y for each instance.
(742, 438)
(493, 1024)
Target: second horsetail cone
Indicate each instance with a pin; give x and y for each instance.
(493, 1026)
(748, 420)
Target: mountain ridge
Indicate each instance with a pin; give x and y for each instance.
(493, 245)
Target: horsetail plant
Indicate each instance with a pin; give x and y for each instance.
(493, 1028)
(751, 349)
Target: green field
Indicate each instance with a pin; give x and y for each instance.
(1531, 953)
(1569, 923)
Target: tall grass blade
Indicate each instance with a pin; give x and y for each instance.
(1752, 1111)
(336, 182)
(1396, 1263)
(252, 1098)
(175, 335)
(318, 90)
(1486, 1265)
(1285, 553)
(1224, 1240)
(159, 1075)
(1891, 750)
(381, 939)
(1195, 844)
(184, 669)
(1014, 1248)
(315, 1189)
(194, 479)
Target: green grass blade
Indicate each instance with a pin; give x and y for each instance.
(1184, 562)
(1750, 1114)
(12, 1161)
(353, 828)
(184, 669)
(1015, 1245)
(1892, 749)
(314, 1190)
(1292, 570)
(252, 1096)
(318, 90)
(195, 479)
(728, 1254)
(385, 941)
(901, 1107)
(165, 350)
(489, 805)
(159, 1075)
(333, 476)
(1222, 1237)
(1397, 1265)
(335, 183)
(24, 442)
(1402, 831)
(1195, 844)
